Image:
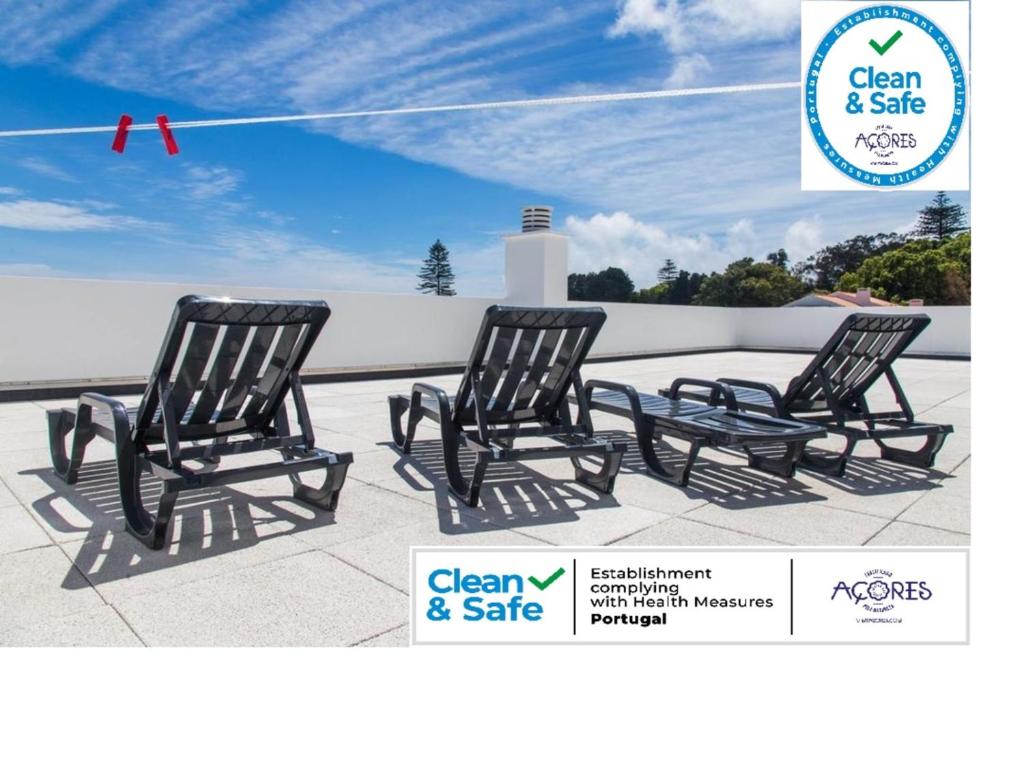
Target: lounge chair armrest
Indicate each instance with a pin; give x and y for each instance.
(90, 401)
(96, 400)
(770, 389)
(718, 389)
(421, 388)
(626, 389)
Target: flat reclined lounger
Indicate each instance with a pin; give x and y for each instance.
(832, 390)
(522, 366)
(250, 353)
(701, 425)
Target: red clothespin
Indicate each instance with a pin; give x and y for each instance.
(121, 137)
(172, 146)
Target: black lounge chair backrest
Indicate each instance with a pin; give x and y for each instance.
(524, 362)
(862, 349)
(226, 366)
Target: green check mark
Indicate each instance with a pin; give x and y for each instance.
(883, 49)
(543, 585)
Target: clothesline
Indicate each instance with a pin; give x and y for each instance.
(492, 105)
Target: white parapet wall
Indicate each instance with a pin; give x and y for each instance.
(949, 333)
(59, 330)
(74, 330)
(636, 329)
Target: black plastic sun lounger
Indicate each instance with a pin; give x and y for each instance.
(522, 366)
(702, 425)
(224, 370)
(832, 390)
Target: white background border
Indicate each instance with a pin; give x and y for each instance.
(705, 701)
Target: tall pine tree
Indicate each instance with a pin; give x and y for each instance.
(941, 219)
(668, 271)
(436, 275)
(779, 258)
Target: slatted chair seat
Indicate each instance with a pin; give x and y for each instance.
(832, 391)
(701, 424)
(747, 399)
(496, 412)
(522, 366)
(225, 369)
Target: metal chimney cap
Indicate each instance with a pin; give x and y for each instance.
(537, 218)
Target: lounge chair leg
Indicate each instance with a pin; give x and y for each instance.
(603, 480)
(924, 457)
(138, 522)
(325, 496)
(60, 424)
(830, 464)
(451, 442)
(396, 409)
(467, 493)
(783, 466)
(403, 439)
(479, 470)
(415, 416)
(681, 476)
(214, 459)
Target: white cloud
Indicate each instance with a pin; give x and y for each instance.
(687, 69)
(741, 240)
(9, 191)
(277, 219)
(661, 17)
(288, 260)
(640, 248)
(32, 32)
(41, 215)
(908, 227)
(207, 182)
(687, 28)
(680, 23)
(46, 168)
(804, 237)
(740, 20)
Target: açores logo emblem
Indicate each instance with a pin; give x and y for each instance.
(878, 591)
(885, 96)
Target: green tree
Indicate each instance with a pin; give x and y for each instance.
(612, 285)
(436, 275)
(668, 271)
(746, 283)
(679, 291)
(823, 269)
(938, 274)
(940, 219)
(779, 258)
(685, 288)
(658, 294)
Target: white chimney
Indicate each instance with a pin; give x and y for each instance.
(863, 297)
(537, 261)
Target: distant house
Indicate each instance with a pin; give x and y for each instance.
(859, 299)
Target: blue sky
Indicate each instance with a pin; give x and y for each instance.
(354, 204)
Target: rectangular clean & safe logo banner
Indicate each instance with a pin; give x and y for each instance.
(677, 595)
(885, 96)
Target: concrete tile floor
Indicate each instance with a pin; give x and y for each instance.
(247, 565)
